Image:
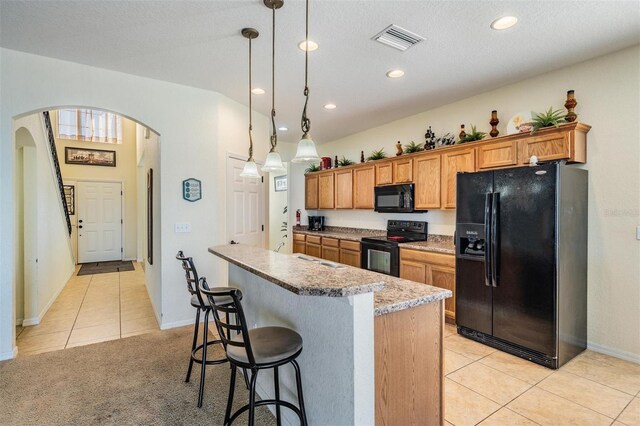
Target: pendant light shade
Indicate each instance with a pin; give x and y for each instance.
(306, 151)
(250, 169)
(273, 162)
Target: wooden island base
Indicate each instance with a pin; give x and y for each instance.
(409, 366)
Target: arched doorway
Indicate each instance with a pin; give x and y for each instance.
(89, 319)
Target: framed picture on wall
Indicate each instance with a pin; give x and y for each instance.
(280, 183)
(89, 157)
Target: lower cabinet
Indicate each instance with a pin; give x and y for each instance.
(331, 249)
(314, 246)
(299, 243)
(350, 253)
(435, 269)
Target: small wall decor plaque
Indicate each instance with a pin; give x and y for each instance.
(280, 183)
(191, 189)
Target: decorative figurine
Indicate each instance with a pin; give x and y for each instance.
(570, 105)
(362, 156)
(446, 140)
(430, 140)
(494, 124)
(462, 132)
(335, 165)
(398, 148)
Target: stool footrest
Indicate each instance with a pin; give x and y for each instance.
(198, 360)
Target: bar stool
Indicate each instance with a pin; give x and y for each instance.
(201, 303)
(256, 349)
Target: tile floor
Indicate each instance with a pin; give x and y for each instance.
(489, 387)
(92, 309)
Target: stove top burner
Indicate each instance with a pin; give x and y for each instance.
(401, 232)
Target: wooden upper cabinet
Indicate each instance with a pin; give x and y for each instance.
(547, 147)
(344, 189)
(326, 191)
(364, 180)
(460, 160)
(403, 170)
(311, 192)
(499, 154)
(384, 173)
(427, 172)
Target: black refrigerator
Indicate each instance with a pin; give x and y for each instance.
(521, 261)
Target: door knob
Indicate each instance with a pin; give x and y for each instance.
(80, 226)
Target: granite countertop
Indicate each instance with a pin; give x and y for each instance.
(435, 243)
(341, 233)
(307, 278)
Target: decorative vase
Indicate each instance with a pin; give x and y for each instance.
(462, 132)
(429, 142)
(362, 156)
(398, 148)
(570, 105)
(494, 124)
(335, 164)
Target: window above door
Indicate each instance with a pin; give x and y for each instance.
(89, 125)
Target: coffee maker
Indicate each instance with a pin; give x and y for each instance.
(316, 223)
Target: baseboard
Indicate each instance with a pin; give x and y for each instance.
(627, 356)
(9, 355)
(36, 320)
(176, 324)
(19, 321)
(30, 321)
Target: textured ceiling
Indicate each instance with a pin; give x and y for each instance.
(198, 43)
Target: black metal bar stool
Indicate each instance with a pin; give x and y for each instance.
(256, 349)
(201, 303)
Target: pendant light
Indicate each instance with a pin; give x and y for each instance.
(306, 151)
(273, 163)
(250, 169)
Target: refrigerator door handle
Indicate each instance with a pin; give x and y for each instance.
(494, 238)
(487, 239)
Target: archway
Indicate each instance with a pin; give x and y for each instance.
(50, 259)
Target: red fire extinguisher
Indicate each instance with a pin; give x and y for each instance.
(298, 217)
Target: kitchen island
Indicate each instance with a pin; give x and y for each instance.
(373, 344)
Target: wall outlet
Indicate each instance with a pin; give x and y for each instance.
(182, 227)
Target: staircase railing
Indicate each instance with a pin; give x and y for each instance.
(56, 166)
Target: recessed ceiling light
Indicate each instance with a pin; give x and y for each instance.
(257, 91)
(283, 129)
(330, 106)
(312, 45)
(504, 22)
(395, 73)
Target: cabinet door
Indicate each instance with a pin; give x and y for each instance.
(444, 277)
(364, 180)
(344, 189)
(384, 173)
(427, 180)
(413, 271)
(462, 160)
(547, 147)
(350, 257)
(311, 192)
(331, 253)
(325, 191)
(499, 154)
(403, 170)
(299, 247)
(314, 250)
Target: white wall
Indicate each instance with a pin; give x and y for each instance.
(197, 128)
(608, 94)
(52, 257)
(277, 202)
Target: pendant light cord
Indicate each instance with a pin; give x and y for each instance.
(305, 122)
(250, 107)
(274, 134)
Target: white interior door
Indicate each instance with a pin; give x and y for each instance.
(99, 214)
(245, 206)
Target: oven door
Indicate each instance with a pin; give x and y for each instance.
(380, 257)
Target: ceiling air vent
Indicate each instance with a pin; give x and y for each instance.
(398, 38)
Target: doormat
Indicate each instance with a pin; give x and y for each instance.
(105, 267)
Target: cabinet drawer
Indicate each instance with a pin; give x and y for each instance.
(428, 257)
(554, 146)
(350, 245)
(299, 237)
(330, 242)
(314, 239)
(499, 154)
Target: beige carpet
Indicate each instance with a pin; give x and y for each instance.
(135, 381)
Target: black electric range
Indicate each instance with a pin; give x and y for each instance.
(382, 254)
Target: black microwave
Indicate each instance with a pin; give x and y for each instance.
(394, 198)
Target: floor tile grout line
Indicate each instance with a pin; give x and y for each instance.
(78, 313)
(573, 402)
(632, 395)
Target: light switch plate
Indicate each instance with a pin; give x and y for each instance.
(637, 232)
(182, 228)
